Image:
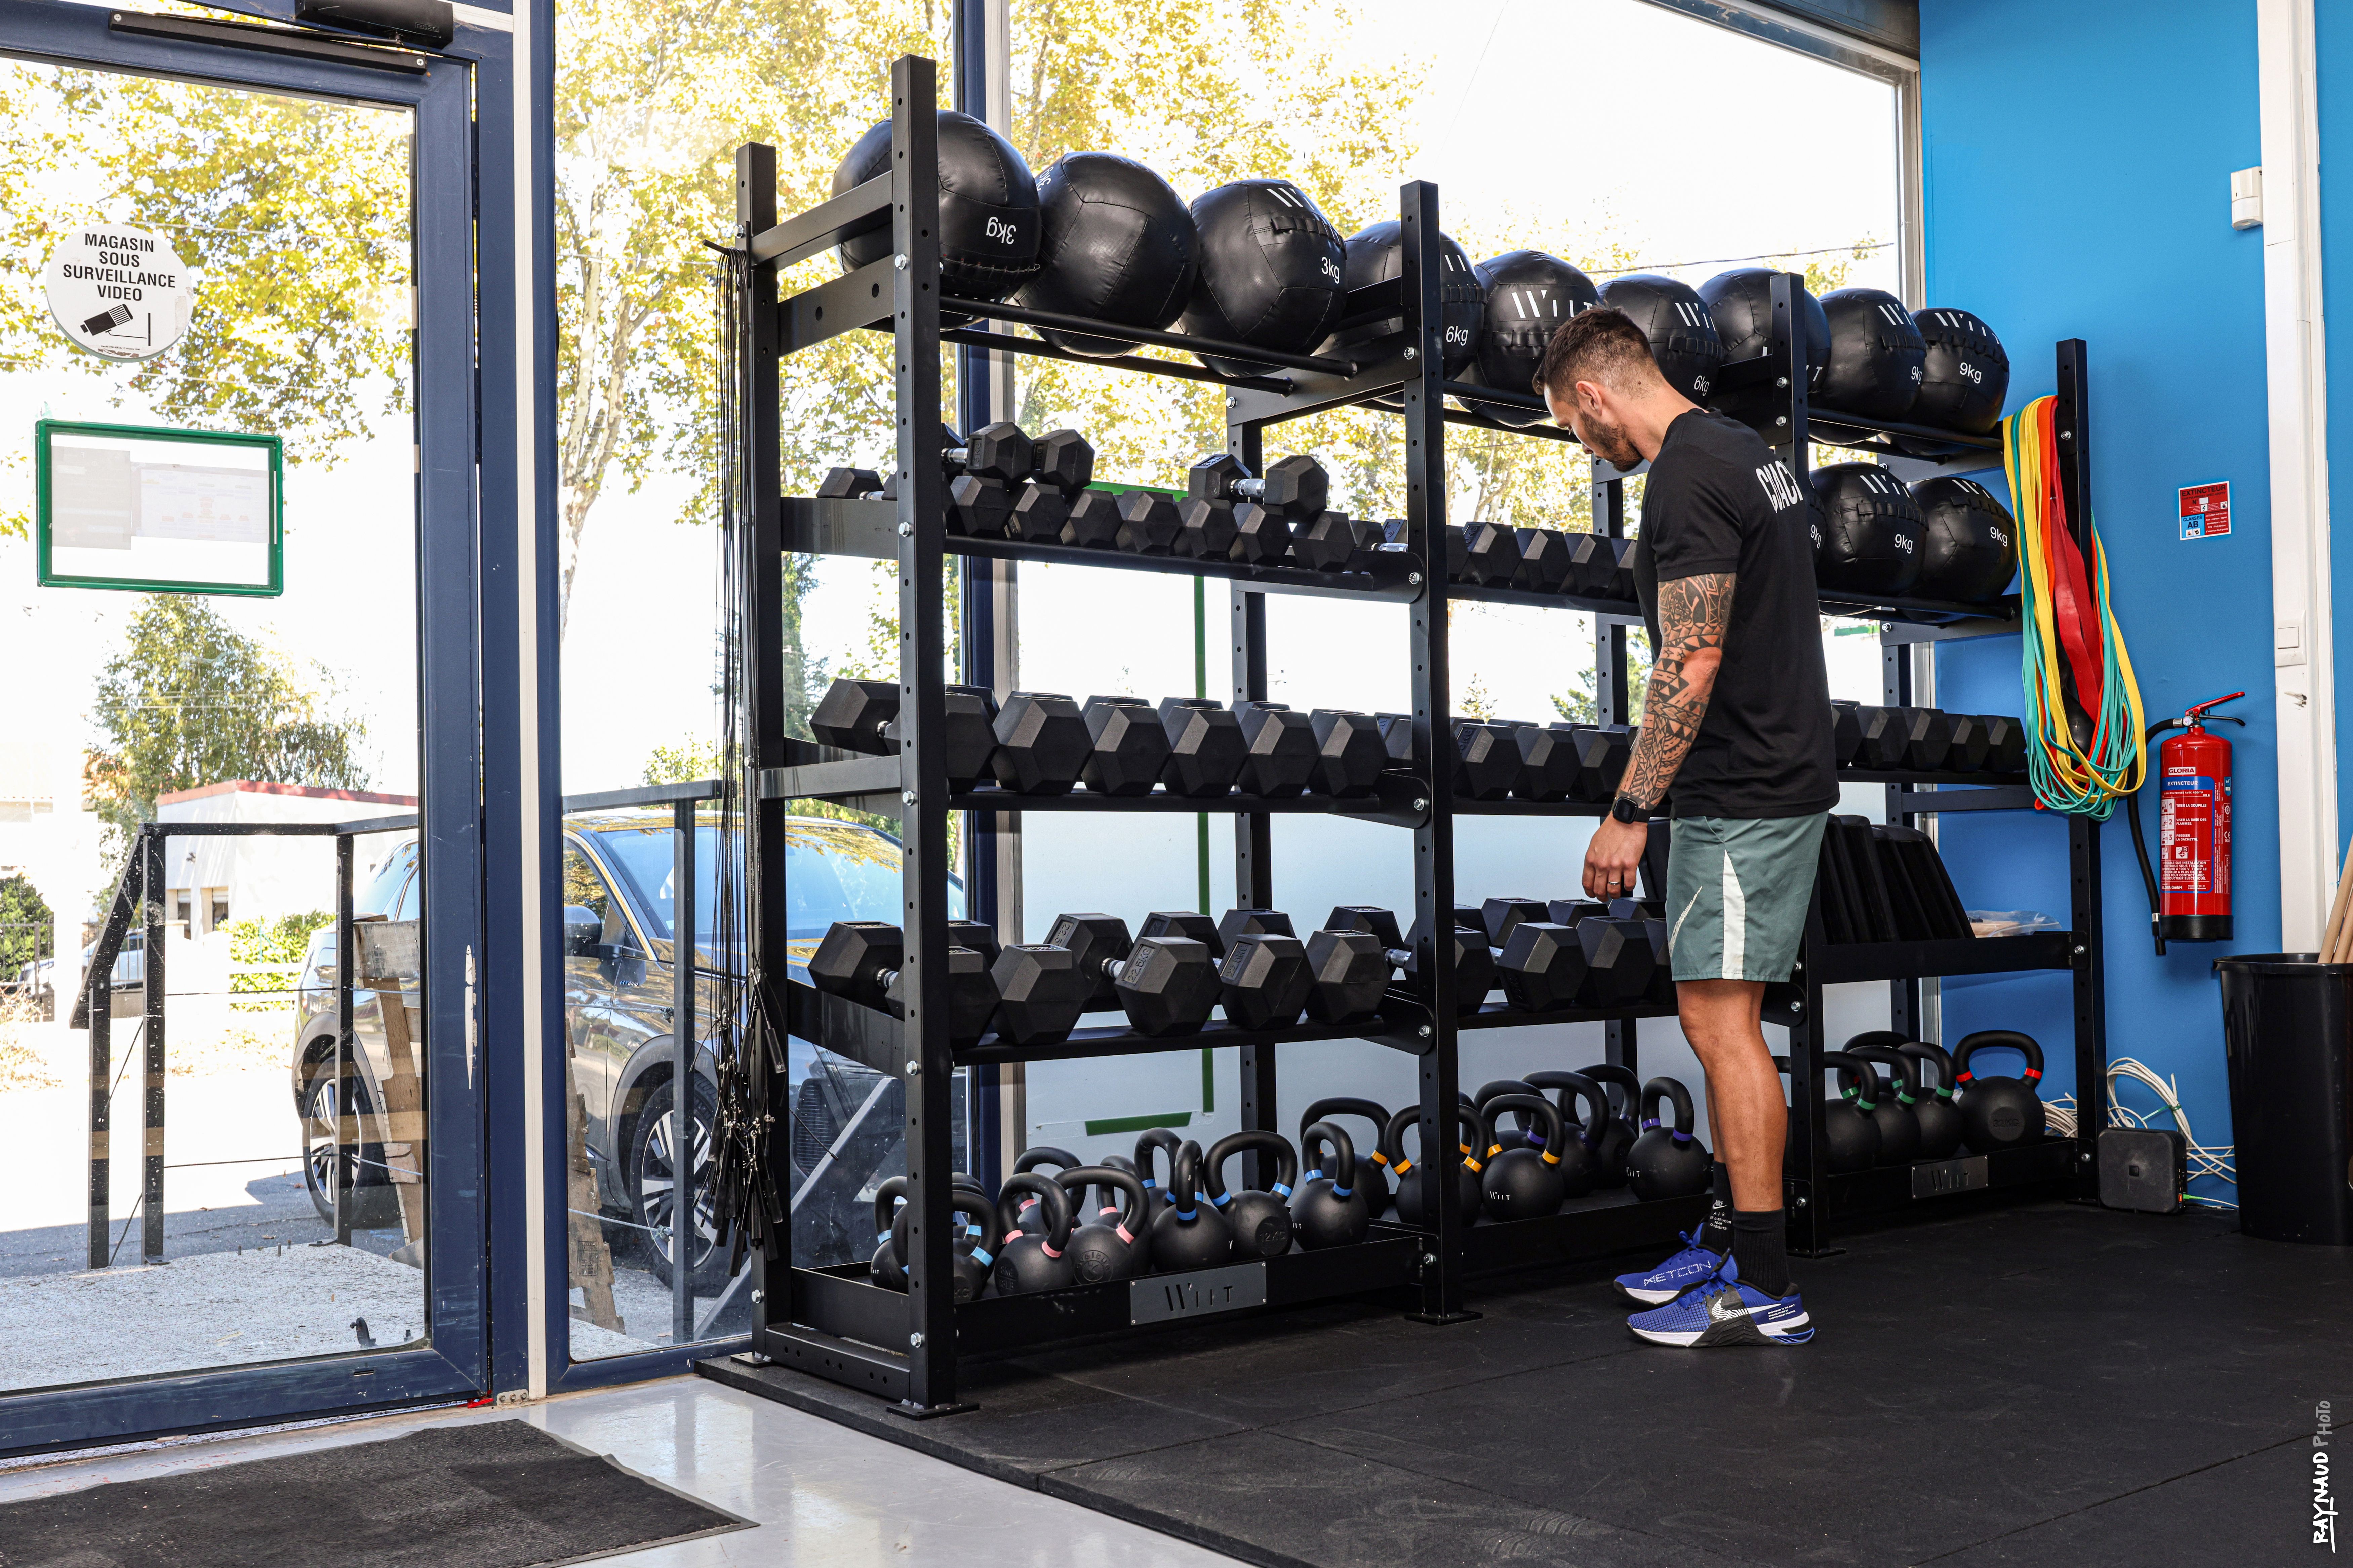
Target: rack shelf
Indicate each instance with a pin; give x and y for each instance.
(868, 528)
(829, 1321)
(1840, 963)
(879, 1040)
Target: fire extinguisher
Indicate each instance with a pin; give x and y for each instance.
(2189, 893)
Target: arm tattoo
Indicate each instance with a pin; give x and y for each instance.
(1692, 615)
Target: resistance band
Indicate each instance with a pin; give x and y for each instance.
(2086, 748)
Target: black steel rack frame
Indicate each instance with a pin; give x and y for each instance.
(905, 1348)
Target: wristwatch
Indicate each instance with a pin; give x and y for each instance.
(1624, 809)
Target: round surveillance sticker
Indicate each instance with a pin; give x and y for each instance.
(119, 293)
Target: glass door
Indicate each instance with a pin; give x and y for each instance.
(240, 1157)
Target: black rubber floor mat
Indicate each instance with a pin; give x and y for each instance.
(494, 1494)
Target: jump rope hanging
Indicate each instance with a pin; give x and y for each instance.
(2086, 748)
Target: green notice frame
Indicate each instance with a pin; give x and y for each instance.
(151, 510)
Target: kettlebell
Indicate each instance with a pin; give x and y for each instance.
(1899, 1130)
(1999, 1112)
(1617, 1138)
(1187, 1232)
(1156, 1197)
(1372, 1181)
(1850, 1137)
(1939, 1118)
(1525, 1182)
(1106, 1246)
(1665, 1163)
(889, 1268)
(1033, 1257)
(1039, 1154)
(1330, 1210)
(1413, 1206)
(1260, 1220)
(1500, 1136)
(1580, 1164)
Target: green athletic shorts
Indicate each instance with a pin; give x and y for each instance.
(1738, 889)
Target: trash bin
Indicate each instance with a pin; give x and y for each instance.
(2287, 1037)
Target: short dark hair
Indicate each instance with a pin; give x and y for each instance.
(1599, 345)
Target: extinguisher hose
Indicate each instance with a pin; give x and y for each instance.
(2140, 844)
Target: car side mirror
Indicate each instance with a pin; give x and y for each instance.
(582, 927)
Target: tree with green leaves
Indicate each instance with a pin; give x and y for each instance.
(290, 213)
(26, 924)
(188, 701)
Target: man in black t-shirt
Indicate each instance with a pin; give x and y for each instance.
(1737, 720)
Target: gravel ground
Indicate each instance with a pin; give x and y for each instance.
(218, 1309)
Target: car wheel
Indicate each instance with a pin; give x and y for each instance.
(374, 1204)
(654, 1182)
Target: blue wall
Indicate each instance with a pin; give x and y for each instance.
(2077, 161)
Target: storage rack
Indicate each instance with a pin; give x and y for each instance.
(827, 1321)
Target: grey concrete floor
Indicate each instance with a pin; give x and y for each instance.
(824, 1495)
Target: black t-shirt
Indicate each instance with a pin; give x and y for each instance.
(1717, 500)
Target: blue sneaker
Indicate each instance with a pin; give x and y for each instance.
(1672, 1278)
(1720, 1310)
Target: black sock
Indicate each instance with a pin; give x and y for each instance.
(1756, 1242)
(1716, 1230)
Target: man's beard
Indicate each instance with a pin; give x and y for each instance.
(1609, 443)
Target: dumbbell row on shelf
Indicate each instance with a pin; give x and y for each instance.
(1182, 966)
(1045, 744)
(1004, 485)
(1926, 740)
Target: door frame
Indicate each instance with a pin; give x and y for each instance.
(466, 392)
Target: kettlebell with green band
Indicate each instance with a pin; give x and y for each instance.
(1939, 1118)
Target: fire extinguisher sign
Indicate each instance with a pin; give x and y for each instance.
(2206, 510)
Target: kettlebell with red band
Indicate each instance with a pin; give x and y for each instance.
(1034, 1259)
(2000, 1112)
(1109, 1245)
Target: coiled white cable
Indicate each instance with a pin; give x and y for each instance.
(2215, 1161)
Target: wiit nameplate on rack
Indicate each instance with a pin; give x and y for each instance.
(1964, 1174)
(1201, 1294)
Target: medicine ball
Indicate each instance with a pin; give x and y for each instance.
(1875, 354)
(1965, 374)
(1968, 546)
(1268, 271)
(1740, 302)
(1529, 294)
(1682, 334)
(1375, 256)
(988, 207)
(1116, 243)
(1871, 530)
